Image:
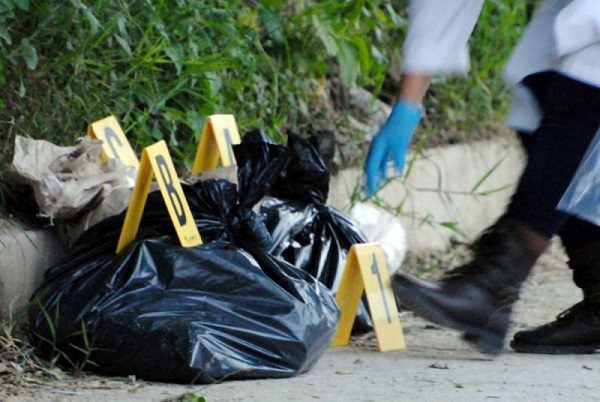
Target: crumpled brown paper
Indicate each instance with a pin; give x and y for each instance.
(228, 173)
(67, 180)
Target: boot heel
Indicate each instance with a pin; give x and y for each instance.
(488, 343)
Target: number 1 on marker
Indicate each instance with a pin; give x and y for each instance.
(376, 271)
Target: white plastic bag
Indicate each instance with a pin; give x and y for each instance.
(582, 198)
(384, 228)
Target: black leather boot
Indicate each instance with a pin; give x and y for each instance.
(477, 298)
(576, 330)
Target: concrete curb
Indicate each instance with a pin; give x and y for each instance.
(438, 191)
(25, 255)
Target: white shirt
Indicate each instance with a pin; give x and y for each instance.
(564, 35)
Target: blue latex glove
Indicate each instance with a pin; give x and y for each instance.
(391, 143)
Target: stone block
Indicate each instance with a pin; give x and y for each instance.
(25, 254)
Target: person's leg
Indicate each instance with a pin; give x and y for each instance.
(477, 298)
(581, 240)
(571, 118)
(577, 330)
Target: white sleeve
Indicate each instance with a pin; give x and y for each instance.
(438, 34)
(577, 26)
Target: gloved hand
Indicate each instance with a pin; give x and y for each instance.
(391, 142)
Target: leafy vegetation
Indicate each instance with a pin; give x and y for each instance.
(162, 65)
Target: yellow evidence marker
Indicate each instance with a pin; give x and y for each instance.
(156, 162)
(366, 270)
(115, 144)
(220, 132)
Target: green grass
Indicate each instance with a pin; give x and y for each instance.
(481, 97)
(18, 357)
(161, 66)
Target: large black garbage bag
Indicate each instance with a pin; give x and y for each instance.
(314, 237)
(305, 232)
(202, 314)
(293, 183)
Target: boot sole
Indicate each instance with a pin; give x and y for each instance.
(486, 341)
(555, 349)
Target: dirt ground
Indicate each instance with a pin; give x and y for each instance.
(436, 366)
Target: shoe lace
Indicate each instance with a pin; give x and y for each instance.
(583, 311)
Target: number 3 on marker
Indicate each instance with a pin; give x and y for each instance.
(115, 144)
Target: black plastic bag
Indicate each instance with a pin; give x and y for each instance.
(203, 314)
(305, 231)
(314, 237)
(293, 183)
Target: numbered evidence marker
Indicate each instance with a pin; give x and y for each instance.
(156, 162)
(366, 270)
(220, 132)
(115, 144)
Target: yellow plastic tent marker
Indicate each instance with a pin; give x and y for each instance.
(115, 144)
(366, 270)
(156, 162)
(220, 132)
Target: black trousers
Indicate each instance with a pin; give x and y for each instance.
(575, 233)
(570, 120)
